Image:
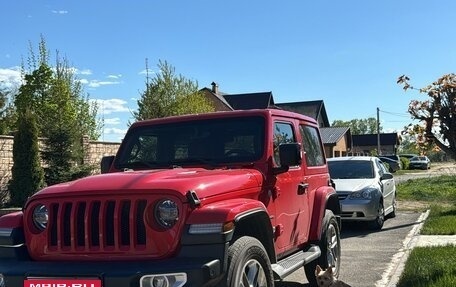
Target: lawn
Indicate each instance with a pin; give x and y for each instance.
(432, 266)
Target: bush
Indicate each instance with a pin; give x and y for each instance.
(405, 163)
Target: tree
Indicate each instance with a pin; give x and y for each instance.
(7, 111)
(359, 126)
(27, 174)
(64, 114)
(437, 114)
(56, 96)
(168, 94)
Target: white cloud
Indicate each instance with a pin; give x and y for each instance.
(112, 121)
(96, 83)
(146, 71)
(60, 12)
(114, 131)
(115, 76)
(10, 77)
(107, 107)
(84, 72)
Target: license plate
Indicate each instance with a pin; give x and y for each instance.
(62, 282)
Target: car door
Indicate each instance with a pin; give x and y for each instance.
(388, 186)
(292, 208)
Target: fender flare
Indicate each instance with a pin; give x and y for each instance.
(325, 198)
(243, 213)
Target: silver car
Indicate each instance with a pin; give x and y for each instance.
(366, 190)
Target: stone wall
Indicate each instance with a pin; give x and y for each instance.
(93, 150)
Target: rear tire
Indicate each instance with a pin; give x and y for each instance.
(249, 264)
(330, 249)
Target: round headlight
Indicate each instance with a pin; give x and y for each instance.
(166, 213)
(40, 216)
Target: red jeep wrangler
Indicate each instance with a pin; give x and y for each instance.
(238, 198)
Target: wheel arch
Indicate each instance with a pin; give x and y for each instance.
(256, 223)
(325, 198)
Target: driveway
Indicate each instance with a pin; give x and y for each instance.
(367, 256)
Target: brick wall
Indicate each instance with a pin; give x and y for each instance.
(94, 151)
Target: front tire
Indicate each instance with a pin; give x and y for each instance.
(377, 223)
(249, 264)
(330, 249)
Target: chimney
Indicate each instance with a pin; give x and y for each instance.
(214, 87)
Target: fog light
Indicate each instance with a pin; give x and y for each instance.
(163, 280)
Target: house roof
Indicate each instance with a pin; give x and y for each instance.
(371, 139)
(249, 101)
(313, 109)
(333, 135)
(218, 95)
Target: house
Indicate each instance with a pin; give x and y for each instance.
(365, 144)
(337, 141)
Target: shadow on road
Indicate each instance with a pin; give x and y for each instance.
(291, 284)
(361, 229)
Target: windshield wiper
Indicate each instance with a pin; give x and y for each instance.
(193, 160)
(138, 164)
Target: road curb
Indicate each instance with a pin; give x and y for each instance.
(391, 276)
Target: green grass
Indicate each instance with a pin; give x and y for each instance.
(441, 221)
(431, 189)
(430, 267)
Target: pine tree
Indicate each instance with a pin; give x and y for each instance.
(27, 174)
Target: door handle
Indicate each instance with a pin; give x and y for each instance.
(302, 188)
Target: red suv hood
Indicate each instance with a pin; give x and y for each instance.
(204, 182)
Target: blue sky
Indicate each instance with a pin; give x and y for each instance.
(347, 53)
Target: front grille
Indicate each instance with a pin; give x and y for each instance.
(97, 225)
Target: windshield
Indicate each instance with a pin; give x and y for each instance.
(350, 169)
(209, 142)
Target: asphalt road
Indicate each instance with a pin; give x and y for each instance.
(366, 255)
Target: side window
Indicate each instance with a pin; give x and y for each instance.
(283, 133)
(382, 168)
(312, 145)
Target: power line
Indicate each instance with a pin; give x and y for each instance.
(405, 115)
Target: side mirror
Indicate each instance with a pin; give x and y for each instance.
(387, 176)
(290, 154)
(106, 163)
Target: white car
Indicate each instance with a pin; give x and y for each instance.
(366, 190)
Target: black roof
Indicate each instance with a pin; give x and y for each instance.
(261, 100)
(332, 135)
(371, 139)
(313, 109)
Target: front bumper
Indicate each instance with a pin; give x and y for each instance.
(199, 271)
(359, 209)
(203, 264)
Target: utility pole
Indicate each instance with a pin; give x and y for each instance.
(379, 152)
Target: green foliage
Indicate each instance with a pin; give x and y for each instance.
(168, 94)
(27, 174)
(430, 267)
(58, 155)
(405, 162)
(8, 117)
(436, 114)
(359, 126)
(64, 114)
